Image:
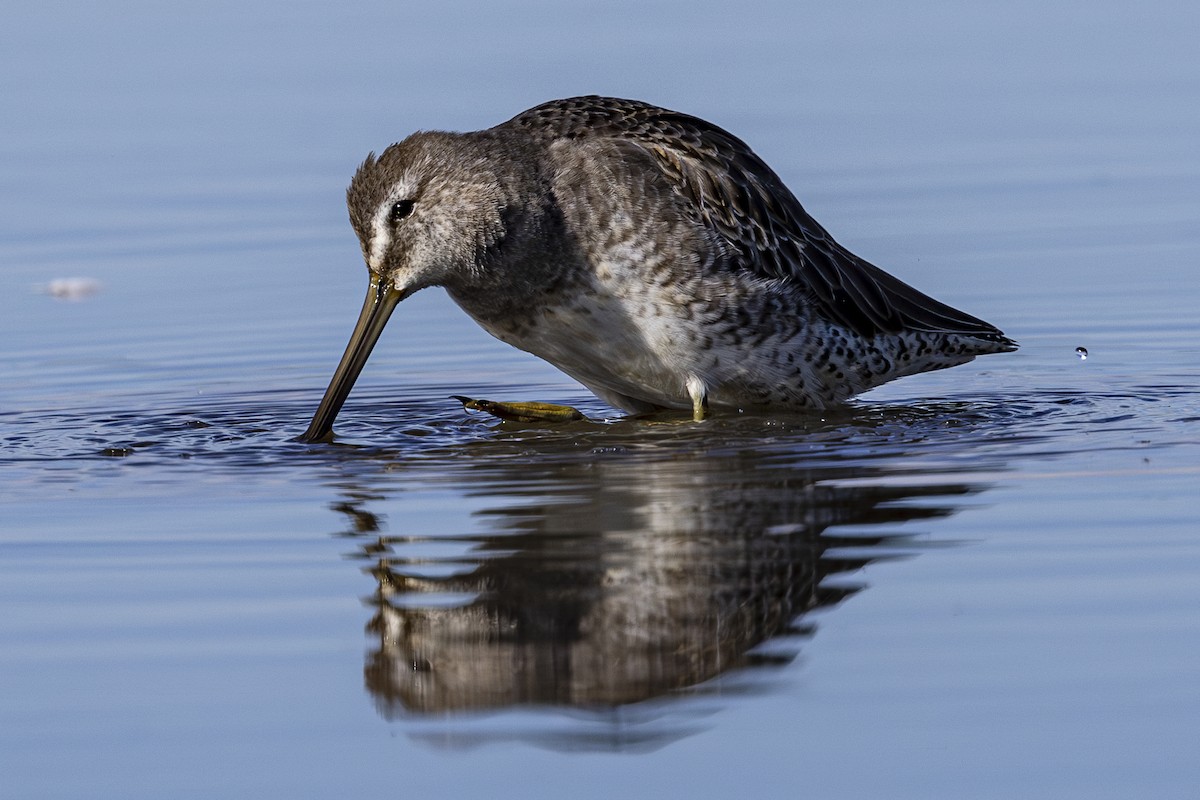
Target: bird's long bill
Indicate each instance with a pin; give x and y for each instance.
(382, 298)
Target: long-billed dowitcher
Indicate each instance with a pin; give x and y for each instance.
(649, 254)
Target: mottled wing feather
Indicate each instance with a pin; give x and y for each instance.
(733, 193)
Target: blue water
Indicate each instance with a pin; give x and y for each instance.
(975, 583)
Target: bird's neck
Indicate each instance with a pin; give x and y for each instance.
(510, 294)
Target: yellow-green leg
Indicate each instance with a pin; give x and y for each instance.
(699, 393)
(522, 412)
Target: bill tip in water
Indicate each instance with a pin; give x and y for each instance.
(314, 437)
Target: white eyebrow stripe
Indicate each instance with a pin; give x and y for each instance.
(381, 240)
(381, 227)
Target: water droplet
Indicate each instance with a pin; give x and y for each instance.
(1082, 353)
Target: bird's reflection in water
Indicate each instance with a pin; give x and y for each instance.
(613, 578)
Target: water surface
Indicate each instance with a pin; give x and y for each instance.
(979, 582)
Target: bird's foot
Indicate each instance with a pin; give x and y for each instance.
(522, 412)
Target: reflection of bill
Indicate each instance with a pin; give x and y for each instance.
(623, 579)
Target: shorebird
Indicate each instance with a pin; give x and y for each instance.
(648, 254)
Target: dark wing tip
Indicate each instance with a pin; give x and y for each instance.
(912, 309)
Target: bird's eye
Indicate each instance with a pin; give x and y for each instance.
(400, 210)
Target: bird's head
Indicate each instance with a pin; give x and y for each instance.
(432, 210)
(437, 209)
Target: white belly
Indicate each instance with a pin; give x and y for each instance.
(618, 349)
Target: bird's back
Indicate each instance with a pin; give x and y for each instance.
(731, 193)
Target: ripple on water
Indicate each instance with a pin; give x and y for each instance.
(247, 434)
